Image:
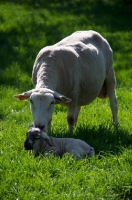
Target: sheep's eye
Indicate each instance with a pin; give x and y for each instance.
(52, 103)
(31, 101)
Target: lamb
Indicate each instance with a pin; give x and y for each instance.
(39, 142)
(73, 73)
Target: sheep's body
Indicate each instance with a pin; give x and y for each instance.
(40, 142)
(79, 67)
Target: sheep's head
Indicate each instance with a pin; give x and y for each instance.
(42, 105)
(33, 137)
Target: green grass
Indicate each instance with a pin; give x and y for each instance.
(25, 28)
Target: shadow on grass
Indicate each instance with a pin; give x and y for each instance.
(104, 139)
(17, 50)
(114, 14)
(18, 54)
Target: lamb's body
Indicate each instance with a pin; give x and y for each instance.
(76, 147)
(79, 67)
(40, 142)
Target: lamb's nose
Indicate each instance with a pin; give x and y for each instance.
(27, 145)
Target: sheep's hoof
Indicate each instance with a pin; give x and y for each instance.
(116, 125)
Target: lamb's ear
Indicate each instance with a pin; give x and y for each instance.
(30, 127)
(46, 138)
(24, 95)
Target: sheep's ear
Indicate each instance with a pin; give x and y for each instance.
(58, 97)
(64, 99)
(61, 98)
(24, 95)
(21, 96)
(46, 138)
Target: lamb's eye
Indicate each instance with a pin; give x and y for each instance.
(37, 137)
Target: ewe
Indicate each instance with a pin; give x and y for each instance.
(40, 142)
(73, 72)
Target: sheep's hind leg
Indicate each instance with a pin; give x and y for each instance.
(110, 84)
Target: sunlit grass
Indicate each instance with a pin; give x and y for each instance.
(107, 176)
(25, 28)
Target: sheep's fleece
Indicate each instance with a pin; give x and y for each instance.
(73, 72)
(40, 142)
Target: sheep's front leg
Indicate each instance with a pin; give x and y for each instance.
(49, 125)
(73, 112)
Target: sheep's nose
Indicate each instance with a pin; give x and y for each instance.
(40, 126)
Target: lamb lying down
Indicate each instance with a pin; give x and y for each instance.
(40, 142)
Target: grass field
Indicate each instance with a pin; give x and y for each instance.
(25, 28)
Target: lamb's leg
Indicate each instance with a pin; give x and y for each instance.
(110, 84)
(76, 156)
(73, 112)
(74, 152)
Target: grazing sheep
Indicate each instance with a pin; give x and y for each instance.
(40, 142)
(78, 67)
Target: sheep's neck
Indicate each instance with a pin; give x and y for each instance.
(46, 78)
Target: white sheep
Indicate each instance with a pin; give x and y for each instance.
(73, 72)
(39, 142)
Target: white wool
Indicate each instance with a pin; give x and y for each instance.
(58, 146)
(73, 72)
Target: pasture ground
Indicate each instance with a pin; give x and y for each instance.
(25, 28)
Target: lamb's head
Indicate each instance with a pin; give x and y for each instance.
(42, 105)
(91, 152)
(33, 137)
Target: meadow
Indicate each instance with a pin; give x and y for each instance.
(25, 28)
